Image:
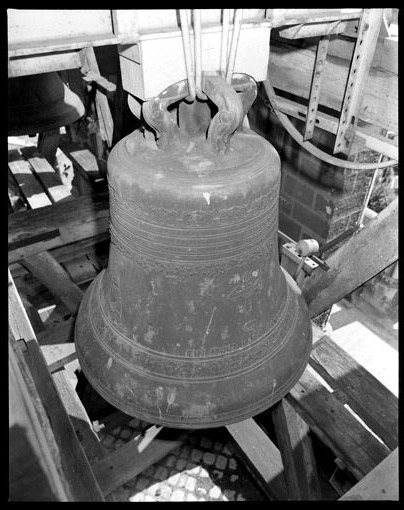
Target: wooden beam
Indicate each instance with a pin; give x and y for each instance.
(34, 466)
(78, 416)
(74, 466)
(355, 262)
(51, 274)
(335, 426)
(261, 457)
(381, 484)
(315, 29)
(367, 397)
(48, 176)
(28, 184)
(135, 456)
(280, 17)
(297, 453)
(34, 231)
(35, 64)
(105, 120)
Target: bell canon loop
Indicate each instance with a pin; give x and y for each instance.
(194, 324)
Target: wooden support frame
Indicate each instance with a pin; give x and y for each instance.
(74, 470)
(368, 31)
(354, 262)
(380, 484)
(297, 454)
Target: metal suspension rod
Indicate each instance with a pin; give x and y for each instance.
(234, 43)
(198, 52)
(225, 41)
(186, 41)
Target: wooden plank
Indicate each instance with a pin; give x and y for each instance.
(35, 64)
(34, 462)
(84, 159)
(80, 269)
(104, 116)
(135, 456)
(261, 457)
(57, 356)
(34, 231)
(28, 184)
(354, 263)
(290, 70)
(23, 49)
(367, 397)
(60, 334)
(315, 29)
(297, 453)
(95, 249)
(74, 465)
(49, 272)
(280, 17)
(49, 178)
(336, 426)
(83, 181)
(79, 417)
(381, 484)
(32, 314)
(15, 196)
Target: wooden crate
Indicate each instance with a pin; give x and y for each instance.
(336, 399)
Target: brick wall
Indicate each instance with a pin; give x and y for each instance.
(317, 200)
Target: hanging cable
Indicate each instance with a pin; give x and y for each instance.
(186, 41)
(225, 41)
(318, 153)
(238, 17)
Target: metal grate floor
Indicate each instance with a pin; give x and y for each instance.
(203, 468)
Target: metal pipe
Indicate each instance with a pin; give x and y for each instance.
(186, 41)
(234, 43)
(225, 41)
(318, 153)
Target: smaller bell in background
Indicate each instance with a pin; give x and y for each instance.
(41, 102)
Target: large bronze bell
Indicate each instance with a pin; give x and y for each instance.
(39, 103)
(194, 324)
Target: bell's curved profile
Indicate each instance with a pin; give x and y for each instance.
(194, 324)
(41, 102)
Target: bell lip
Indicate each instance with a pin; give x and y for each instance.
(198, 422)
(64, 114)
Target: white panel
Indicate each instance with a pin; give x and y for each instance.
(163, 58)
(152, 19)
(26, 25)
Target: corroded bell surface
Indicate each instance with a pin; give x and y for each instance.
(193, 324)
(39, 103)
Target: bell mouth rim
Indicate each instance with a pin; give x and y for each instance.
(198, 422)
